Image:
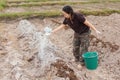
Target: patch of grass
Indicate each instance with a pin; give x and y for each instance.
(104, 12)
(25, 1)
(114, 0)
(2, 4)
(41, 0)
(53, 3)
(52, 14)
(29, 15)
(106, 0)
(19, 1)
(57, 3)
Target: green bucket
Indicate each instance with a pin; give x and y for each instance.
(91, 60)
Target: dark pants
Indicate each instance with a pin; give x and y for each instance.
(80, 45)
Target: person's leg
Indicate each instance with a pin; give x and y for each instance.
(84, 39)
(76, 46)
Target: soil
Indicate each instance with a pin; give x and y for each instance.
(20, 62)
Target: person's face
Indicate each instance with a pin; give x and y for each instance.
(66, 15)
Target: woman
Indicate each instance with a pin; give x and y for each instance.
(81, 27)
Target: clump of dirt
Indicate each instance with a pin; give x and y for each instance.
(64, 71)
(98, 42)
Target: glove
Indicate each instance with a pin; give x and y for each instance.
(98, 32)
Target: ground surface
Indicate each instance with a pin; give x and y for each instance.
(26, 54)
(17, 60)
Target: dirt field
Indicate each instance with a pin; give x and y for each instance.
(26, 53)
(21, 62)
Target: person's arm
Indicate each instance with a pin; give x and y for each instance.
(59, 28)
(91, 26)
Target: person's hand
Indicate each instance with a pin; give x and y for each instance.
(47, 30)
(98, 32)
